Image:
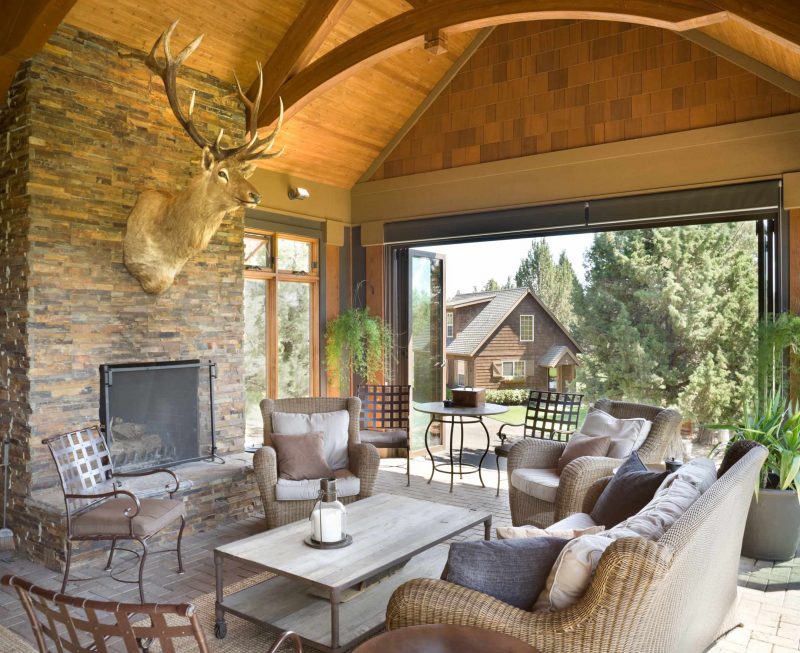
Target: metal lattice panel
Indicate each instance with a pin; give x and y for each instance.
(552, 415)
(385, 407)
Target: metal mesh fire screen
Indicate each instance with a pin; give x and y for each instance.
(158, 414)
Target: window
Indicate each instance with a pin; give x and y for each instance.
(461, 373)
(281, 307)
(526, 328)
(450, 324)
(513, 369)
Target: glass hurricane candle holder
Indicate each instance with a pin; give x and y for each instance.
(328, 519)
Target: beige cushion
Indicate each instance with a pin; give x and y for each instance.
(380, 439)
(581, 445)
(576, 520)
(301, 457)
(627, 435)
(347, 485)
(109, 519)
(526, 532)
(539, 483)
(334, 427)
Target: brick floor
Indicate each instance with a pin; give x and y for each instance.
(769, 600)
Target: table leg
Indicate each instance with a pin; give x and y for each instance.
(487, 529)
(335, 619)
(461, 451)
(452, 458)
(486, 451)
(428, 448)
(220, 627)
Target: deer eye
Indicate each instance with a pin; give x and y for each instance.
(223, 174)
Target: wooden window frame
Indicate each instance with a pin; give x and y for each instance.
(450, 322)
(272, 276)
(513, 369)
(533, 328)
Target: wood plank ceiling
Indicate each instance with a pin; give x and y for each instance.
(358, 69)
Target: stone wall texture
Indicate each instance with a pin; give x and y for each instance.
(84, 131)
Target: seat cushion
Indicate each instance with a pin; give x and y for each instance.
(108, 518)
(333, 426)
(539, 483)
(347, 485)
(504, 448)
(576, 521)
(384, 438)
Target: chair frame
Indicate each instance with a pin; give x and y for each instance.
(387, 408)
(84, 463)
(65, 618)
(565, 408)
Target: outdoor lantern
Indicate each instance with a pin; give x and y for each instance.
(328, 519)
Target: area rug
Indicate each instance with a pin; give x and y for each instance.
(10, 642)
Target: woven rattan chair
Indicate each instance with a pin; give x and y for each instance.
(534, 453)
(385, 413)
(97, 509)
(675, 595)
(548, 415)
(76, 624)
(364, 459)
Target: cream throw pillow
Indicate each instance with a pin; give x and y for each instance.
(523, 532)
(626, 435)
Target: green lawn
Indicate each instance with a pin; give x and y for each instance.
(516, 415)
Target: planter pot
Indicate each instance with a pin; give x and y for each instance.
(772, 531)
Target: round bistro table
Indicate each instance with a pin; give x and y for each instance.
(442, 638)
(453, 415)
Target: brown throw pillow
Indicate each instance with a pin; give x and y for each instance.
(580, 445)
(301, 457)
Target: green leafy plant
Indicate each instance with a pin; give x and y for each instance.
(356, 342)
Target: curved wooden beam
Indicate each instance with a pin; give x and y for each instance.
(407, 30)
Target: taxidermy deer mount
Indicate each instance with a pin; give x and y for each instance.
(165, 229)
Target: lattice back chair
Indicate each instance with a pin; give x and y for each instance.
(548, 415)
(385, 414)
(76, 624)
(98, 509)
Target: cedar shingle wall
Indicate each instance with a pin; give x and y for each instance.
(553, 85)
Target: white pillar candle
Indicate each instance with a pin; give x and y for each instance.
(327, 525)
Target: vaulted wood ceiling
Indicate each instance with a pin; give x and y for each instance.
(353, 72)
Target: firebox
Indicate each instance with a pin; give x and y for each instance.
(158, 414)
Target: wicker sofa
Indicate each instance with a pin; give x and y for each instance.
(364, 459)
(580, 474)
(676, 595)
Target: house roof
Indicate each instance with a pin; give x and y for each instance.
(500, 304)
(555, 355)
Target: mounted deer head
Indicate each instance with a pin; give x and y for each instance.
(164, 229)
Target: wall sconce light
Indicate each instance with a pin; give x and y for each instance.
(298, 193)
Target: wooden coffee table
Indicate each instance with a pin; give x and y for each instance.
(442, 638)
(388, 531)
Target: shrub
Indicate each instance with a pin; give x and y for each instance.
(516, 397)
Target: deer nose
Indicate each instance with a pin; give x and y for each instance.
(255, 198)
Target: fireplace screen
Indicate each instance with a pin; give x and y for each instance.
(158, 414)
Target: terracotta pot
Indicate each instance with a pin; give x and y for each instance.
(772, 531)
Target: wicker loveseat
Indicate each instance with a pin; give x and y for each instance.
(676, 595)
(363, 458)
(580, 474)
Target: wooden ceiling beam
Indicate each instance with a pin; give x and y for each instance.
(408, 30)
(298, 46)
(25, 28)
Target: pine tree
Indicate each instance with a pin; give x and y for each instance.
(554, 283)
(491, 286)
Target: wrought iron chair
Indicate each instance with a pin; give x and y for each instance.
(98, 509)
(76, 624)
(548, 415)
(385, 411)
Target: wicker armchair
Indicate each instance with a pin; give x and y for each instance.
(645, 596)
(580, 474)
(364, 458)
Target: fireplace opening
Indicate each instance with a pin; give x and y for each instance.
(158, 414)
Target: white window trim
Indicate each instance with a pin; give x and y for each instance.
(461, 376)
(513, 365)
(533, 328)
(449, 319)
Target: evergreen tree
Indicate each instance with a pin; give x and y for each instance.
(491, 286)
(554, 283)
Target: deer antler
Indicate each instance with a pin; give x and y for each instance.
(255, 147)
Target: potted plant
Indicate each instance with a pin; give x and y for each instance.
(356, 342)
(772, 531)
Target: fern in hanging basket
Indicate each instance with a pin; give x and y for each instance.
(358, 343)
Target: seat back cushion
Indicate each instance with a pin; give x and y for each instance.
(626, 435)
(514, 571)
(580, 445)
(333, 426)
(301, 457)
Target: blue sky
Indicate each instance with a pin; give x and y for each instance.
(473, 264)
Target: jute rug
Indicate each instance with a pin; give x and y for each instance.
(10, 642)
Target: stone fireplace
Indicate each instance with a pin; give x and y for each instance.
(87, 132)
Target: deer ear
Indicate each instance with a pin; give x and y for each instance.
(208, 159)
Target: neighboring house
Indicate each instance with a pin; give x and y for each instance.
(507, 338)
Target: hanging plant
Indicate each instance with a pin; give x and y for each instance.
(356, 343)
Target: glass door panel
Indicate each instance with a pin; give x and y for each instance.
(294, 339)
(256, 379)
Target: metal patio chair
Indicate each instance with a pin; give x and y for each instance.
(385, 411)
(97, 509)
(76, 624)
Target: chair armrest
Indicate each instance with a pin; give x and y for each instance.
(107, 495)
(502, 435)
(149, 472)
(265, 467)
(535, 453)
(364, 463)
(577, 479)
